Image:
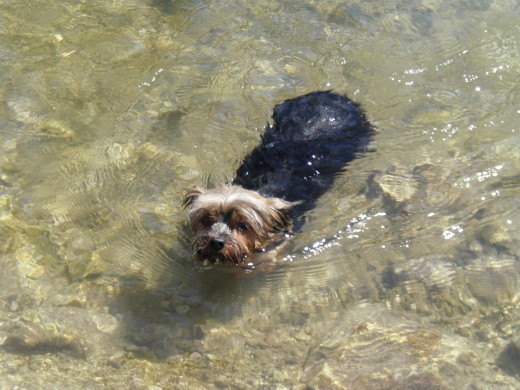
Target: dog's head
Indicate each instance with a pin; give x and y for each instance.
(231, 222)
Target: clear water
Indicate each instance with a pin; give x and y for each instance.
(407, 272)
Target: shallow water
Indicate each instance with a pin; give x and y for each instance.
(407, 272)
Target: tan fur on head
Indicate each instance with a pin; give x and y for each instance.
(230, 222)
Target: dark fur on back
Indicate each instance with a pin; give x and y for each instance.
(311, 140)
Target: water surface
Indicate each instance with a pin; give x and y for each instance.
(407, 272)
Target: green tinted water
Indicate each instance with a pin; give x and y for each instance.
(407, 272)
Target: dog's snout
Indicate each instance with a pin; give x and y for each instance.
(216, 243)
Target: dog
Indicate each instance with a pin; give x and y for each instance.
(310, 142)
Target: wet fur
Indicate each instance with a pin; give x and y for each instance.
(243, 219)
(311, 140)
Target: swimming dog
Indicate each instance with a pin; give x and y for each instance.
(310, 142)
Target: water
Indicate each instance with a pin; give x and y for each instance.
(406, 274)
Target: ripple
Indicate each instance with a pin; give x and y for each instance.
(494, 281)
(411, 260)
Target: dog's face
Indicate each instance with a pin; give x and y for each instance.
(230, 222)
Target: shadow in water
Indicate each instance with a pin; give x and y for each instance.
(167, 319)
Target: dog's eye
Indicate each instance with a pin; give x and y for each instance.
(207, 221)
(241, 227)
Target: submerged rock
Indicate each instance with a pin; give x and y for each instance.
(509, 358)
(62, 329)
(374, 348)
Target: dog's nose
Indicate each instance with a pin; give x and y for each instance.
(216, 243)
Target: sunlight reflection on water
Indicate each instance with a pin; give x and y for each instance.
(112, 110)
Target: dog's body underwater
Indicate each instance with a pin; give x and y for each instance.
(311, 140)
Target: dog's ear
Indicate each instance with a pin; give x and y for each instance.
(191, 196)
(279, 218)
(281, 205)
